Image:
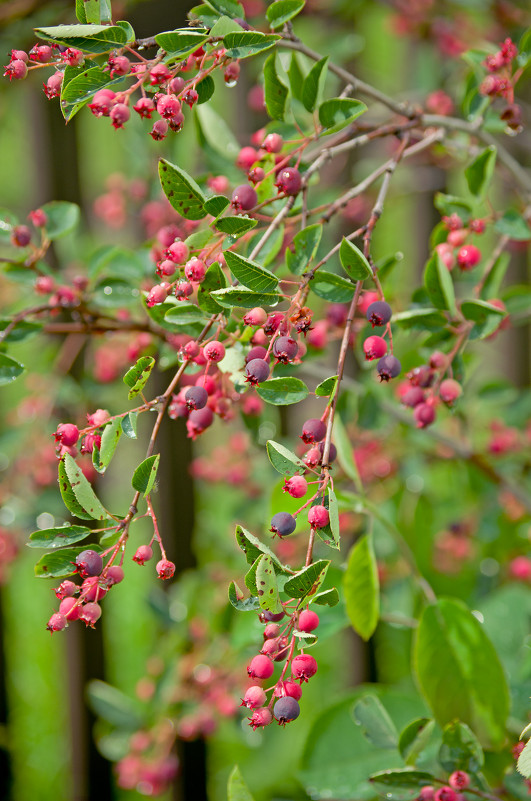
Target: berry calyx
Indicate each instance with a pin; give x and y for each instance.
(244, 198)
(459, 780)
(196, 397)
(289, 181)
(90, 614)
(388, 367)
(260, 717)
(374, 348)
(254, 697)
(379, 313)
(283, 524)
(89, 563)
(214, 351)
(286, 709)
(57, 622)
(256, 371)
(313, 430)
(165, 569)
(143, 554)
(285, 349)
(303, 667)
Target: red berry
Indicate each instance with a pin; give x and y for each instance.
(16, 70)
(143, 554)
(231, 73)
(168, 106)
(158, 74)
(119, 115)
(70, 608)
(90, 614)
(289, 181)
(246, 158)
(115, 575)
(159, 130)
(67, 434)
(118, 65)
(445, 794)
(66, 589)
(288, 688)
(318, 517)
(244, 198)
(308, 620)
(374, 348)
(260, 667)
(313, 430)
(102, 102)
(254, 697)
(424, 414)
(459, 780)
(271, 631)
(165, 569)
(214, 351)
(57, 622)
(468, 256)
(450, 390)
(296, 486)
(195, 270)
(303, 667)
(52, 87)
(144, 107)
(260, 717)
(257, 316)
(273, 143)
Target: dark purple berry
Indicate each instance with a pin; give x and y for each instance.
(285, 349)
(313, 430)
(196, 397)
(286, 709)
(273, 617)
(257, 352)
(244, 198)
(332, 453)
(283, 524)
(388, 367)
(257, 370)
(289, 181)
(379, 313)
(89, 563)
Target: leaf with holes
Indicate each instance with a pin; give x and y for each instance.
(250, 274)
(145, 474)
(307, 581)
(362, 588)
(338, 112)
(137, 376)
(283, 460)
(266, 585)
(239, 602)
(182, 191)
(57, 537)
(305, 245)
(353, 261)
(75, 487)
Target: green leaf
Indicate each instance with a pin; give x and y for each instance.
(250, 274)
(524, 761)
(266, 585)
(362, 588)
(237, 790)
(60, 564)
(116, 262)
(513, 225)
(137, 376)
(486, 317)
(89, 38)
(414, 739)
(224, 25)
(182, 41)
(276, 92)
(145, 474)
(338, 112)
(296, 77)
(345, 455)
(353, 261)
(57, 537)
(10, 369)
(283, 460)
(376, 725)
(235, 226)
(20, 331)
(96, 11)
(310, 86)
(77, 92)
(459, 672)
(113, 293)
(332, 287)
(253, 548)
(492, 286)
(439, 285)
(242, 44)
(307, 581)
(333, 511)
(327, 387)
(109, 441)
(114, 706)
(479, 173)
(281, 11)
(216, 134)
(182, 191)
(129, 425)
(460, 749)
(305, 245)
(205, 89)
(75, 488)
(402, 784)
(214, 279)
(421, 319)
(185, 313)
(283, 391)
(243, 298)
(239, 602)
(230, 8)
(62, 216)
(450, 204)
(326, 598)
(216, 205)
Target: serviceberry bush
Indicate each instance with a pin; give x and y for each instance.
(258, 282)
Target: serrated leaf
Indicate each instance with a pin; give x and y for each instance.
(307, 581)
(244, 298)
(459, 672)
(237, 790)
(10, 369)
(414, 739)
(235, 225)
(137, 376)
(57, 537)
(242, 604)
(376, 725)
(251, 274)
(276, 92)
(182, 41)
(310, 86)
(266, 585)
(110, 437)
(327, 387)
(513, 225)
(129, 424)
(439, 285)
(479, 172)
(281, 11)
(182, 191)
(331, 287)
(241, 44)
(283, 460)
(361, 588)
(214, 279)
(60, 564)
(145, 474)
(68, 495)
(326, 598)
(460, 749)
(402, 784)
(74, 486)
(305, 245)
(89, 38)
(62, 217)
(283, 391)
(338, 112)
(353, 261)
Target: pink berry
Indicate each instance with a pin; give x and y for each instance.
(57, 622)
(289, 688)
(102, 102)
(254, 697)
(195, 270)
(119, 115)
(445, 794)
(318, 517)
(303, 667)
(308, 620)
(177, 84)
(289, 181)
(158, 74)
(66, 589)
(190, 97)
(157, 294)
(159, 130)
(38, 218)
(167, 106)
(424, 414)
(273, 143)
(257, 316)
(165, 569)
(246, 158)
(178, 252)
(41, 53)
(260, 717)
(468, 256)
(70, 608)
(244, 198)
(450, 390)
(214, 351)
(91, 590)
(90, 614)
(52, 87)
(144, 107)
(115, 575)
(198, 421)
(260, 667)
(271, 631)
(73, 57)
(459, 780)
(374, 348)
(256, 174)
(457, 238)
(118, 65)
(143, 554)
(231, 73)
(296, 486)
(16, 70)
(67, 434)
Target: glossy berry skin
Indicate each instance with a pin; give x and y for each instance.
(256, 316)
(273, 617)
(244, 198)
(258, 352)
(313, 430)
(67, 434)
(308, 620)
(198, 421)
(214, 351)
(303, 667)
(246, 158)
(119, 115)
(195, 270)
(256, 371)
(332, 453)
(284, 688)
(271, 631)
(273, 143)
(89, 563)
(379, 313)
(165, 569)
(70, 608)
(196, 397)
(260, 717)
(190, 97)
(286, 709)
(445, 794)
(254, 697)
(57, 622)
(283, 524)
(167, 106)
(66, 589)
(468, 256)
(260, 667)
(115, 575)
(289, 181)
(318, 517)
(90, 613)
(388, 367)
(374, 348)
(285, 349)
(296, 486)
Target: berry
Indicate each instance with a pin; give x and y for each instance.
(379, 313)
(70, 608)
(256, 371)
(246, 158)
(178, 252)
(256, 174)
(256, 316)
(289, 181)
(318, 517)
(158, 74)
(177, 84)
(273, 617)
(303, 667)
(388, 367)
(159, 130)
(119, 115)
(102, 102)
(413, 397)
(459, 780)
(144, 107)
(90, 613)
(143, 554)
(52, 87)
(445, 794)
(283, 524)
(21, 236)
(450, 390)
(308, 620)
(89, 563)
(424, 414)
(73, 57)
(313, 457)
(244, 198)
(468, 256)
(165, 569)
(332, 453)
(168, 106)
(260, 717)
(57, 622)
(16, 69)
(196, 397)
(427, 793)
(118, 65)
(232, 73)
(198, 421)
(195, 270)
(166, 268)
(288, 688)
(67, 434)
(271, 630)
(260, 667)
(44, 284)
(157, 294)
(38, 218)
(190, 97)
(286, 709)
(285, 349)
(313, 430)
(374, 348)
(254, 696)
(115, 575)
(66, 589)
(191, 350)
(273, 143)
(296, 486)
(214, 351)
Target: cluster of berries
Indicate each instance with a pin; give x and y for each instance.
(458, 781)
(455, 250)
(426, 387)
